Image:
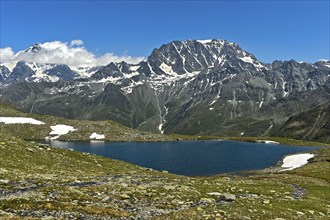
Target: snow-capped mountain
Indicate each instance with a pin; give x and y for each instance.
(34, 49)
(191, 87)
(25, 67)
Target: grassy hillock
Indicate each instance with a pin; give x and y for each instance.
(113, 131)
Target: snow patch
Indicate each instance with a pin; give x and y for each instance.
(134, 68)
(166, 68)
(205, 41)
(268, 142)
(20, 120)
(249, 59)
(129, 88)
(97, 136)
(214, 101)
(271, 142)
(40, 72)
(60, 129)
(83, 72)
(161, 119)
(294, 161)
(326, 64)
(283, 87)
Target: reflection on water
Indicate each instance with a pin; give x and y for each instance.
(97, 143)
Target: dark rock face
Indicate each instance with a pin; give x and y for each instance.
(189, 87)
(4, 73)
(62, 71)
(34, 49)
(110, 70)
(21, 72)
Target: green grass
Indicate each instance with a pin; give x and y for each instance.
(28, 163)
(52, 171)
(113, 131)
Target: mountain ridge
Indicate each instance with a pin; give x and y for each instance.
(202, 43)
(187, 87)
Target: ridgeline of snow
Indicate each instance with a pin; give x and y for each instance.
(20, 120)
(60, 129)
(294, 161)
(97, 136)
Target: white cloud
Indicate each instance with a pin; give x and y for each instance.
(76, 43)
(73, 54)
(6, 54)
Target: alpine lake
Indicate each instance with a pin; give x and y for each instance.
(190, 158)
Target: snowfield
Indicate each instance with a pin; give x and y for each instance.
(20, 120)
(60, 129)
(97, 136)
(294, 161)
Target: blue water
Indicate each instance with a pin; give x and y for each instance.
(191, 158)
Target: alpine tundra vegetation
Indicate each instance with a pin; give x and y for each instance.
(38, 181)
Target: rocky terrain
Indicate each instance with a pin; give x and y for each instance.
(38, 181)
(208, 87)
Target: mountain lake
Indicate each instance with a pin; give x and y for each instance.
(190, 158)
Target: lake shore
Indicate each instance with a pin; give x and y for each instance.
(42, 181)
(209, 157)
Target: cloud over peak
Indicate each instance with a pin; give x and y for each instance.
(6, 54)
(73, 54)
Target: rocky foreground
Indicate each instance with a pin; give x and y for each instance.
(40, 181)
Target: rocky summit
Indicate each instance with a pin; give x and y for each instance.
(209, 87)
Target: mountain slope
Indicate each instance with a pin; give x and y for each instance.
(187, 87)
(83, 129)
(313, 124)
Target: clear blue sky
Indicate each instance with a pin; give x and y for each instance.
(269, 29)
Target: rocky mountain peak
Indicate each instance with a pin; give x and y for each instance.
(34, 49)
(190, 87)
(181, 57)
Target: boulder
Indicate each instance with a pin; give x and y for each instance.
(227, 197)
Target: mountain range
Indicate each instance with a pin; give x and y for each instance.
(209, 87)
